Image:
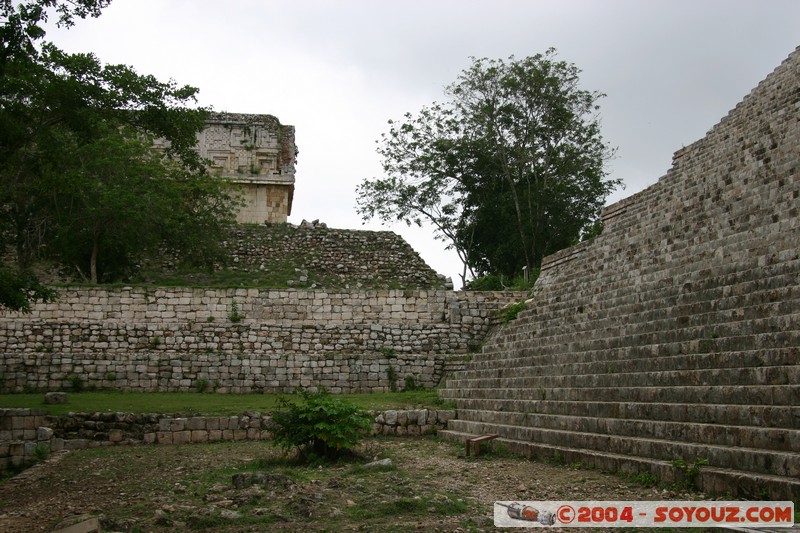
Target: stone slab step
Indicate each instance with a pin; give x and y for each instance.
(746, 459)
(778, 439)
(734, 336)
(767, 375)
(767, 318)
(675, 293)
(765, 416)
(593, 363)
(787, 395)
(710, 479)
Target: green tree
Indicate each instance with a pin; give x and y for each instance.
(508, 170)
(81, 179)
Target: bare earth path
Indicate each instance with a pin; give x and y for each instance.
(430, 486)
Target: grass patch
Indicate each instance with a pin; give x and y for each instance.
(208, 404)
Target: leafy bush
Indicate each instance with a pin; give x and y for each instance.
(509, 313)
(494, 282)
(75, 382)
(411, 384)
(322, 427)
(234, 315)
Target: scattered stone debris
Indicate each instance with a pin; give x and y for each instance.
(381, 462)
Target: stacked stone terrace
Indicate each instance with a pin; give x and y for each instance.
(675, 335)
(241, 340)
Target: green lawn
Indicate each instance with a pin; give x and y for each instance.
(207, 403)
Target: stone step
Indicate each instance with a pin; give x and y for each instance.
(745, 459)
(782, 395)
(690, 323)
(710, 479)
(739, 265)
(778, 439)
(763, 316)
(592, 362)
(689, 340)
(770, 416)
(732, 281)
(767, 375)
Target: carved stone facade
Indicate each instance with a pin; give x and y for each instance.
(257, 154)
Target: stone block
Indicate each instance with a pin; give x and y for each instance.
(200, 435)
(181, 437)
(55, 398)
(445, 415)
(44, 433)
(164, 437)
(115, 435)
(196, 423)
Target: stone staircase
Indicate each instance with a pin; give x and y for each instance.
(674, 337)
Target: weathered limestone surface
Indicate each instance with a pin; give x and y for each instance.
(257, 154)
(675, 335)
(135, 339)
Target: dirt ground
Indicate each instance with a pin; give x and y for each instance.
(430, 486)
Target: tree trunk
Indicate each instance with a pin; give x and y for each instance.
(93, 260)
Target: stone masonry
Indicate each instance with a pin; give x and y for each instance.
(242, 340)
(674, 337)
(27, 435)
(257, 154)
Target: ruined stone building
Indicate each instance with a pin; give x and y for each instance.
(257, 154)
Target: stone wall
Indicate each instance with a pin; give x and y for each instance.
(135, 339)
(27, 435)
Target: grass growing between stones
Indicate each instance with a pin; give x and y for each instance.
(207, 403)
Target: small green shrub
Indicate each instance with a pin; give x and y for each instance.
(511, 312)
(411, 384)
(41, 452)
(155, 341)
(391, 376)
(202, 385)
(689, 473)
(234, 315)
(388, 353)
(75, 382)
(321, 427)
(111, 376)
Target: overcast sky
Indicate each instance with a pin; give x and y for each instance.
(338, 70)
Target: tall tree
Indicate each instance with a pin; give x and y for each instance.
(78, 169)
(508, 170)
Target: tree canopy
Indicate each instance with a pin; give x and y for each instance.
(509, 169)
(81, 180)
